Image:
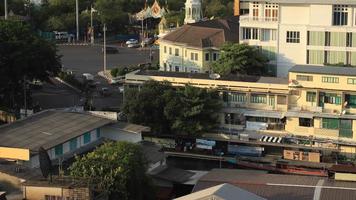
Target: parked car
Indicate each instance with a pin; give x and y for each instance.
(133, 45)
(110, 50)
(131, 41)
(35, 84)
(148, 41)
(88, 77)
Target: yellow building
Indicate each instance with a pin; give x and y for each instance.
(193, 47)
(315, 103)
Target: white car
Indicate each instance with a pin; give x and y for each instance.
(133, 45)
(88, 77)
(117, 80)
(131, 41)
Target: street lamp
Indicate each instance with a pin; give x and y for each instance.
(5, 7)
(104, 30)
(77, 17)
(92, 10)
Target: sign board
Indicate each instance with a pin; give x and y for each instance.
(15, 153)
(205, 144)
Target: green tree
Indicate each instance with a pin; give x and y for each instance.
(119, 168)
(147, 106)
(240, 59)
(192, 110)
(186, 111)
(23, 55)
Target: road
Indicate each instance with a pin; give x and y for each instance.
(88, 59)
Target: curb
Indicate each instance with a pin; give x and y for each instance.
(67, 84)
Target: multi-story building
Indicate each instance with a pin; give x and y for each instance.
(194, 47)
(317, 103)
(318, 32)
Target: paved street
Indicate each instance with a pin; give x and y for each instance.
(88, 59)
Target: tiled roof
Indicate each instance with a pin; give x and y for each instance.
(211, 33)
(48, 129)
(279, 187)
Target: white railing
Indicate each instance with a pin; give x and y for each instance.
(247, 18)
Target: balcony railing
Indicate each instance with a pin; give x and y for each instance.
(247, 18)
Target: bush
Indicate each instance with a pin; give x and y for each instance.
(114, 72)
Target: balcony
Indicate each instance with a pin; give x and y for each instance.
(261, 22)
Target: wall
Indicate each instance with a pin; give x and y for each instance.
(321, 15)
(292, 126)
(39, 192)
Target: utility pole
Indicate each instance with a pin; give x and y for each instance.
(77, 17)
(91, 25)
(104, 30)
(5, 7)
(25, 95)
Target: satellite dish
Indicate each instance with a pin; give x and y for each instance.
(214, 76)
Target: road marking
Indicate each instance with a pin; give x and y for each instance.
(317, 191)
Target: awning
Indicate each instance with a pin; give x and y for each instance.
(300, 114)
(263, 113)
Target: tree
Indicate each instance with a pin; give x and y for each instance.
(192, 110)
(240, 59)
(185, 111)
(119, 168)
(45, 163)
(146, 106)
(24, 56)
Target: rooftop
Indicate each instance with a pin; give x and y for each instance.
(224, 192)
(347, 2)
(330, 70)
(211, 33)
(48, 129)
(241, 78)
(280, 187)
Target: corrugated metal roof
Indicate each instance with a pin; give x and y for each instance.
(279, 187)
(347, 2)
(329, 70)
(48, 129)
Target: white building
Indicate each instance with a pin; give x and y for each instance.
(193, 12)
(316, 32)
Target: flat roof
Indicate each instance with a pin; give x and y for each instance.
(280, 187)
(329, 70)
(48, 129)
(347, 2)
(239, 78)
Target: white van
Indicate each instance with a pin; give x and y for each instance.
(88, 77)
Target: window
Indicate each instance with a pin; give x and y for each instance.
(337, 39)
(350, 101)
(315, 57)
(237, 97)
(304, 78)
(349, 39)
(98, 133)
(73, 144)
(207, 56)
(281, 100)
(293, 36)
(335, 57)
(87, 138)
(215, 56)
(316, 38)
(268, 35)
(340, 15)
(176, 52)
(346, 128)
(271, 11)
(311, 96)
(332, 98)
(258, 98)
(165, 49)
(176, 68)
(250, 34)
(329, 123)
(58, 150)
(329, 79)
(170, 50)
(351, 81)
(196, 56)
(255, 10)
(306, 122)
